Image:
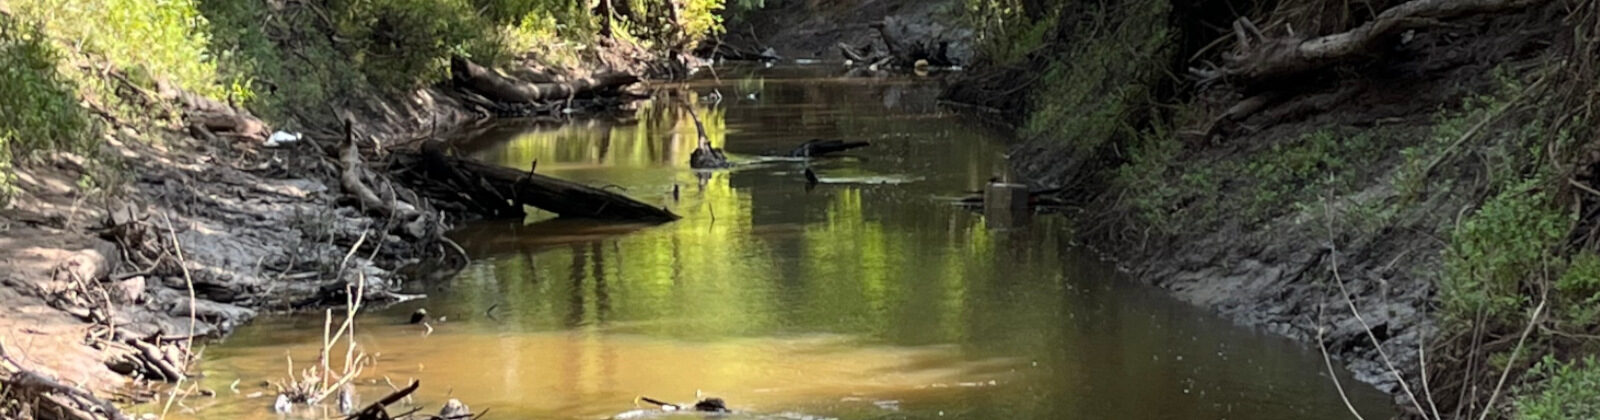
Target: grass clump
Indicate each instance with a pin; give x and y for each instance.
(38, 106)
(1569, 391)
(1094, 94)
(1323, 161)
(1498, 249)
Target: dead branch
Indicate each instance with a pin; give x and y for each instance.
(51, 396)
(1257, 59)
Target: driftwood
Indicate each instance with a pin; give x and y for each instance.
(864, 54)
(499, 87)
(378, 411)
(48, 398)
(356, 180)
(503, 187)
(819, 147)
(1259, 59)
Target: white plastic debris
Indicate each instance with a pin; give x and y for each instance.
(282, 137)
(282, 405)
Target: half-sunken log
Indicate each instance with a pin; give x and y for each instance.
(490, 189)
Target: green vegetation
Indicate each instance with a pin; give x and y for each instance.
(289, 64)
(1507, 242)
(38, 105)
(1569, 391)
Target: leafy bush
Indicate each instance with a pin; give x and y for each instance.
(1496, 249)
(402, 44)
(1096, 91)
(38, 107)
(150, 39)
(1570, 391)
(1578, 296)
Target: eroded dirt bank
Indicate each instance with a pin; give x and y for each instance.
(98, 284)
(1343, 203)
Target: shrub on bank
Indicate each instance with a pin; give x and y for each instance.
(1569, 391)
(38, 106)
(1498, 250)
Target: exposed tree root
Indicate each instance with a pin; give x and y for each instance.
(1258, 59)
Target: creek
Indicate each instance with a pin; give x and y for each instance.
(870, 295)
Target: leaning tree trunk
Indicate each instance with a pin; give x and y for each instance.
(495, 86)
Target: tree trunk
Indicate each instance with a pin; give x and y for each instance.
(500, 88)
(483, 186)
(1259, 59)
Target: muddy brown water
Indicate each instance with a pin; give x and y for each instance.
(868, 296)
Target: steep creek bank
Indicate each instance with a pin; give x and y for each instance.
(100, 285)
(1342, 202)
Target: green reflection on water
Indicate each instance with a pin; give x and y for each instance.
(852, 300)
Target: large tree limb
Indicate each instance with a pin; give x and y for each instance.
(505, 186)
(498, 87)
(1258, 59)
(354, 178)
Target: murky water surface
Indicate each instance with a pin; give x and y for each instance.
(868, 296)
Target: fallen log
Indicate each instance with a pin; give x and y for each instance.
(501, 88)
(1258, 59)
(820, 147)
(504, 187)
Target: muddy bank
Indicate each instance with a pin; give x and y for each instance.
(1303, 260)
(99, 285)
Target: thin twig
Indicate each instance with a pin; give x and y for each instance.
(1532, 321)
(1328, 361)
(1356, 312)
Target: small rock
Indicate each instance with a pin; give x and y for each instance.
(282, 404)
(419, 316)
(132, 289)
(454, 409)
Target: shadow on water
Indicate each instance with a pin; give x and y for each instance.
(853, 299)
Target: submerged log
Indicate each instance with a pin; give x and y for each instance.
(820, 147)
(498, 87)
(482, 186)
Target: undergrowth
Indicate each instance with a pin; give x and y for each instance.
(38, 106)
(1569, 391)
(290, 63)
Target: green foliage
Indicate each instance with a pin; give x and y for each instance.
(1319, 162)
(1095, 92)
(146, 38)
(402, 44)
(1578, 292)
(1569, 391)
(1495, 250)
(38, 106)
(701, 18)
(1164, 195)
